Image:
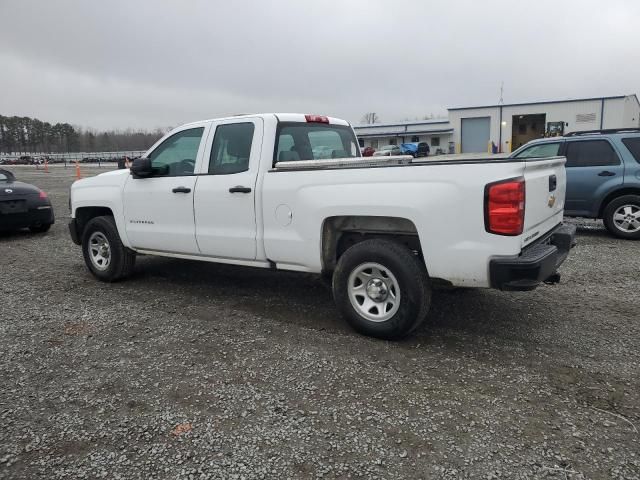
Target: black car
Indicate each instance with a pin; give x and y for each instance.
(423, 149)
(23, 205)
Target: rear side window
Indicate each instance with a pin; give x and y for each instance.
(633, 145)
(541, 150)
(231, 149)
(313, 141)
(591, 153)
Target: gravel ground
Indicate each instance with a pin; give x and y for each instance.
(196, 370)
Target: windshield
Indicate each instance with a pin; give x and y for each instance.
(314, 141)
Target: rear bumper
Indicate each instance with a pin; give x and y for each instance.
(31, 218)
(536, 263)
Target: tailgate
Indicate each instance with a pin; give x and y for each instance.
(546, 183)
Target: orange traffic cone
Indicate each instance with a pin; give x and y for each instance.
(78, 174)
(46, 166)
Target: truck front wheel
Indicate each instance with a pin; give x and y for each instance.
(104, 254)
(382, 289)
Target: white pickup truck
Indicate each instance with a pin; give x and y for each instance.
(291, 192)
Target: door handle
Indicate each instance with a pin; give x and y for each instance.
(606, 173)
(239, 189)
(181, 190)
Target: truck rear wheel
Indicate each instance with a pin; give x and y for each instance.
(104, 254)
(382, 289)
(622, 217)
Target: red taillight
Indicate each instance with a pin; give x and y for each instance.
(504, 207)
(42, 194)
(316, 119)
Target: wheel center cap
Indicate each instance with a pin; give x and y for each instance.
(377, 290)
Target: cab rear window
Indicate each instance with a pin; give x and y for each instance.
(633, 145)
(313, 141)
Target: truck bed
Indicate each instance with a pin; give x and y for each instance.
(443, 197)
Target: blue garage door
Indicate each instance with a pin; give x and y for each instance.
(475, 134)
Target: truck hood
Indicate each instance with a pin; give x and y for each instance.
(113, 177)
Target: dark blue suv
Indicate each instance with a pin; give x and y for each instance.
(603, 175)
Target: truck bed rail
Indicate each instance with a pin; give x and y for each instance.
(344, 162)
(395, 160)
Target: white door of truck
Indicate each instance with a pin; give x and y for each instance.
(158, 210)
(224, 201)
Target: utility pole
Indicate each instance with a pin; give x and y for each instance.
(500, 122)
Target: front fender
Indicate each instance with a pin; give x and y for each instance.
(102, 192)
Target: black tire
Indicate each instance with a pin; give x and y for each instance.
(410, 274)
(610, 211)
(121, 259)
(40, 228)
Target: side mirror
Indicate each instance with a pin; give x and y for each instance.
(141, 168)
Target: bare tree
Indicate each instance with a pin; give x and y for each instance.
(370, 118)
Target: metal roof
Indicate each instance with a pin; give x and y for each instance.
(403, 123)
(403, 133)
(545, 102)
(399, 129)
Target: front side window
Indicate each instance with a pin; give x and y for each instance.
(591, 153)
(313, 141)
(633, 145)
(540, 151)
(176, 156)
(231, 148)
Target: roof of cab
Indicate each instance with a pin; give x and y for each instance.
(281, 117)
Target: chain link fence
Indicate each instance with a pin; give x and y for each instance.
(69, 158)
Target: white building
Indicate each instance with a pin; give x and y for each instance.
(437, 133)
(506, 127)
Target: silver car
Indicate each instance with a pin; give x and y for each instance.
(387, 150)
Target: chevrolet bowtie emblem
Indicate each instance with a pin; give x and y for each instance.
(552, 201)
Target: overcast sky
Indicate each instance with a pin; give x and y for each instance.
(158, 63)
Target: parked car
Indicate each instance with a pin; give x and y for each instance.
(415, 149)
(603, 175)
(387, 151)
(381, 229)
(23, 205)
(423, 149)
(368, 151)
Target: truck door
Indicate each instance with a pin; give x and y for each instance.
(158, 210)
(593, 169)
(225, 196)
